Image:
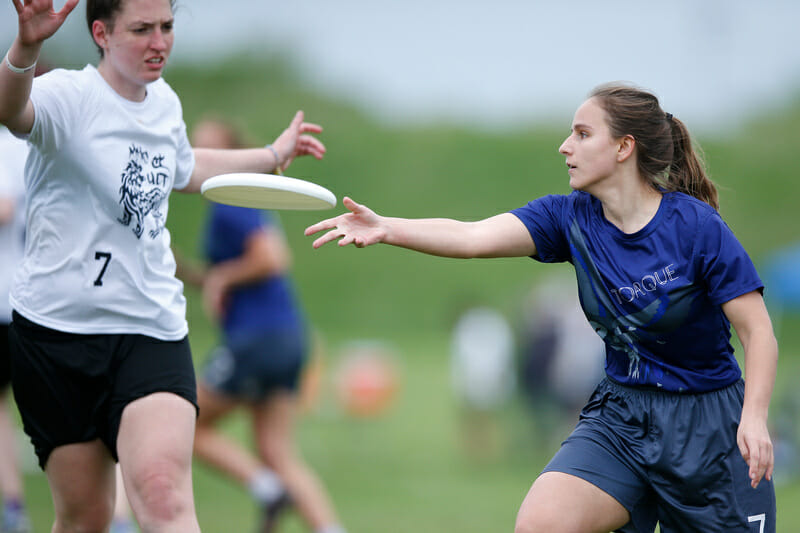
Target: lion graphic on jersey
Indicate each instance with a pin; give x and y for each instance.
(137, 203)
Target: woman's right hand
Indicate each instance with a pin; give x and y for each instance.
(361, 227)
(38, 21)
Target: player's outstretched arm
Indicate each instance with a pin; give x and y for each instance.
(294, 141)
(503, 235)
(37, 21)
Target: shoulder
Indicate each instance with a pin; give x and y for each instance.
(686, 210)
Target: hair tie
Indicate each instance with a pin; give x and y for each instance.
(669, 117)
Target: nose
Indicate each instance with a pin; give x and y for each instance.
(565, 147)
(158, 41)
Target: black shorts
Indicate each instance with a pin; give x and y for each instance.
(5, 358)
(72, 388)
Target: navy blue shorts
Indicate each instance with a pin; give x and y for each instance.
(252, 367)
(72, 388)
(669, 458)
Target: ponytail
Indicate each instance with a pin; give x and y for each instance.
(687, 172)
(666, 156)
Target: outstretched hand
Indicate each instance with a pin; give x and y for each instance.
(294, 141)
(38, 21)
(361, 227)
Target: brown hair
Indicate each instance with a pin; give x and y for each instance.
(666, 155)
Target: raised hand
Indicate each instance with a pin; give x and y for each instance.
(361, 227)
(38, 21)
(294, 142)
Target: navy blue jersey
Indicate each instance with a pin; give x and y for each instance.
(653, 296)
(255, 307)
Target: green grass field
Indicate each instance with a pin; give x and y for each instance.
(408, 470)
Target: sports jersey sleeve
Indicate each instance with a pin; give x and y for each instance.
(544, 218)
(184, 152)
(57, 99)
(725, 266)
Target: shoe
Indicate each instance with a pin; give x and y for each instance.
(16, 522)
(272, 511)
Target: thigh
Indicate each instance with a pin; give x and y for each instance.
(156, 435)
(81, 478)
(563, 502)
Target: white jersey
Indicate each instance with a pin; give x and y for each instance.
(97, 255)
(13, 153)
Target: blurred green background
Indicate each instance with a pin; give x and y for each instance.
(408, 469)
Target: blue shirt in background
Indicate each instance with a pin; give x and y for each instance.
(261, 306)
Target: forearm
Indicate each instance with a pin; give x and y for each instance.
(435, 236)
(211, 162)
(15, 87)
(761, 361)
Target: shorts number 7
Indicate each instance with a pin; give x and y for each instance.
(760, 518)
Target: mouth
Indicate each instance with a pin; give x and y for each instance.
(570, 168)
(155, 61)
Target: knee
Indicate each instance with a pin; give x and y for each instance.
(162, 493)
(91, 518)
(275, 454)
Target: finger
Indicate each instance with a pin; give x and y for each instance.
(309, 127)
(297, 121)
(67, 9)
(328, 237)
(350, 204)
(756, 470)
(17, 5)
(321, 225)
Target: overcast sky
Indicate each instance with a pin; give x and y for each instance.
(505, 62)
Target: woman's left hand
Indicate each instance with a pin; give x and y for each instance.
(756, 447)
(294, 142)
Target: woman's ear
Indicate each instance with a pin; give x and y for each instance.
(625, 149)
(100, 33)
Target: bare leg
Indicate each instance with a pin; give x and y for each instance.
(274, 430)
(215, 448)
(155, 452)
(122, 521)
(81, 478)
(568, 504)
(10, 480)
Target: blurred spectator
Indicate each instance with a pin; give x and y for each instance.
(562, 358)
(483, 376)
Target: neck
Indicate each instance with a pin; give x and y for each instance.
(631, 208)
(130, 91)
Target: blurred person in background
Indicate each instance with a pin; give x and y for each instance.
(673, 435)
(102, 367)
(13, 153)
(482, 372)
(247, 289)
(561, 357)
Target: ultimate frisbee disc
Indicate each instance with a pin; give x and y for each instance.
(267, 191)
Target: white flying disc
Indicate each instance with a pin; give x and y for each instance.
(267, 191)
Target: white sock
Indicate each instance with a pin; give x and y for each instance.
(331, 529)
(265, 486)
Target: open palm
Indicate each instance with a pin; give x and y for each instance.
(37, 19)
